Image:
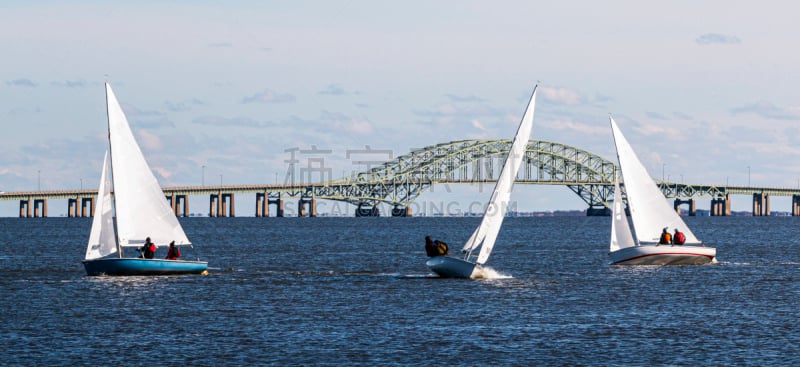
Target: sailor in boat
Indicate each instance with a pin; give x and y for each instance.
(148, 250)
(174, 253)
(435, 248)
(666, 238)
(678, 238)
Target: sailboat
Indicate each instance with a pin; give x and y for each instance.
(483, 238)
(650, 215)
(129, 189)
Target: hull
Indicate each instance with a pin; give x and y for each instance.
(132, 266)
(664, 255)
(449, 267)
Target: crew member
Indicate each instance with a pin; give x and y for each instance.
(666, 238)
(678, 238)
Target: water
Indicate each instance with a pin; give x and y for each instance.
(355, 291)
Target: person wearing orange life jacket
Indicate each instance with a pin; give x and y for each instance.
(148, 250)
(174, 253)
(678, 238)
(666, 238)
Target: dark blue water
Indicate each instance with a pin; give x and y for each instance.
(355, 291)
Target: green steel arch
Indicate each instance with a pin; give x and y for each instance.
(404, 179)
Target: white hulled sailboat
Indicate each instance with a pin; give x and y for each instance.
(650, 214)
(484, 236)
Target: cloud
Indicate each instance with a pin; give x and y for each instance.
(455, 110)
(562, 96)
(656, 116)
(577, 127)
(477, 124)
(682, 116)
(346, 123)
(658, 130)
(159, 123)
(716, 38)
(269, 96)
(334, 90)
(769, 111)
(71, 84)
(233, 121)
(22, 82)
(133, 111)
(464, 99)
(183, 106)
(148, 140)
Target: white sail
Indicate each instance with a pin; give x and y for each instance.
(102, 241)
(141, 208)
(486, 233)
(620, 230)
(650, 211)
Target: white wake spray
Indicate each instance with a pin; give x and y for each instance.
(486, 272)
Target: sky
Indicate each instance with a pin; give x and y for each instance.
(222, 91)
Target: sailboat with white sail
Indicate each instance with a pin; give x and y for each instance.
(483, 238)
(129, 190)
(650, 214)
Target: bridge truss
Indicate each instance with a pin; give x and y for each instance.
(402, 180)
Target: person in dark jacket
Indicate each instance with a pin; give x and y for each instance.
(148, 250)
(666, 238)
(430, 247)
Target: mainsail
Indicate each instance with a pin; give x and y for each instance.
(486, 233)
(620, 230)
(102, 241)
(648, 206)
(141, 208)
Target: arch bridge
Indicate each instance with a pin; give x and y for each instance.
(401, 181)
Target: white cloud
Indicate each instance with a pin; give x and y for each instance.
(477, 124)
(770, 111)
(269, 96)
(148, 141)
(717, 38)
(21, 82)
(562, 96)
(573, 127)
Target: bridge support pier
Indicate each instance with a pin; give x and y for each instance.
(175, 202)
(721, 207)
(262, 208)
(40, 208)
(795, 205)
(25, 207)
(692, 209)
(87, 207)
(364, 210)
(601, 211)
(33, 208)
(221, 204)
(312, 207)
(279, 206)
(401, 211)
(760, 205)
